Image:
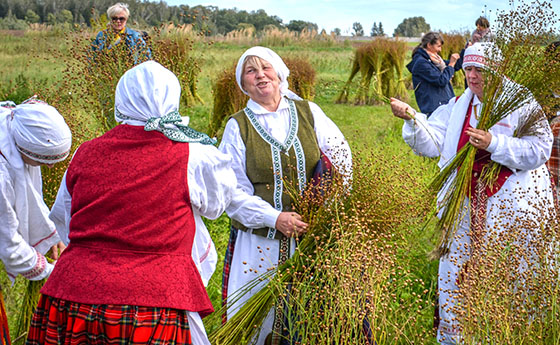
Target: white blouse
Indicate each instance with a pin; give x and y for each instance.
(251, 210)
(439, 135)
(19, 256)
(211, 184)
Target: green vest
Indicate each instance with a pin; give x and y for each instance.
(268, 162)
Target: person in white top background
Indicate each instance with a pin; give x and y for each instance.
(277, 136)
(33, 134)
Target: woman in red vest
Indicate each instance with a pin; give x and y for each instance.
(522, 185)
(134, 197)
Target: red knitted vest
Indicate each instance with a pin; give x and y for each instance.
(132, 225)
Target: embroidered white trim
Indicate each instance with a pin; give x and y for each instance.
(38, 268)
(278, 186)
(300, 159)
(276, 148)
(292, 130)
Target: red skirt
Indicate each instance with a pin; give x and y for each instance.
(60, 322)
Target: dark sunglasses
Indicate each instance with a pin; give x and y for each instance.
(115, 19)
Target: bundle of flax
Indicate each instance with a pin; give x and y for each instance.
(246, 322)
(344, 270)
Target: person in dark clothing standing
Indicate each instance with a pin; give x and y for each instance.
(431, 75)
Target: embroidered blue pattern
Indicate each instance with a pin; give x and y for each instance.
(300, 159)
(278, 187)
(292, 131)
(276, 148)
(7, 104)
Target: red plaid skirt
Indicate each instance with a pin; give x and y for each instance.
(60, 322)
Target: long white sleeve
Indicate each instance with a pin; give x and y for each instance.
(18, 256)
(438, 136)
(426, 136)
(211, 180)
(211, 185)
(251, 210)
(523, 153)
(60, 211)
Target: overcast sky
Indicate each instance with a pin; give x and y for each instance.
(444, 15)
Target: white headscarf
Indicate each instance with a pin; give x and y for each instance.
(148, 95)
(277, 63)
(38, 131)
(145, 91)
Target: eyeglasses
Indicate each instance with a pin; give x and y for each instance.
(116, 19)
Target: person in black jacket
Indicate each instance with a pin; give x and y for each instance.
(431, 75)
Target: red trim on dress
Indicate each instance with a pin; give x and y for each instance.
(44, 239)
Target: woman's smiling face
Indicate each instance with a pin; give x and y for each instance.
(260, 80)
(118, 21)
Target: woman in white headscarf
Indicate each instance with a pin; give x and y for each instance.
(276, 131)
(521, 191)
(134, 197)
(31, 134)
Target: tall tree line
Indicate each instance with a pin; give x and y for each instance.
(209, 19)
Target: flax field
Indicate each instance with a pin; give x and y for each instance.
(381, 266)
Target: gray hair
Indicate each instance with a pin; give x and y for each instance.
(116, 9)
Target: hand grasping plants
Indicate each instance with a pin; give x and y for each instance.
(402, 110)
(290, 224)
(479, 138)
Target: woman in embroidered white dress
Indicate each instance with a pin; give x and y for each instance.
(31, 134)
(276, 129)
(517, 195)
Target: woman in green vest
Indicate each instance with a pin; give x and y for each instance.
(277, 136)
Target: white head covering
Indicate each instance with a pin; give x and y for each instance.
(40, 132)
(277, 63)
(145, 91)
(148, 95)
(481, 55)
